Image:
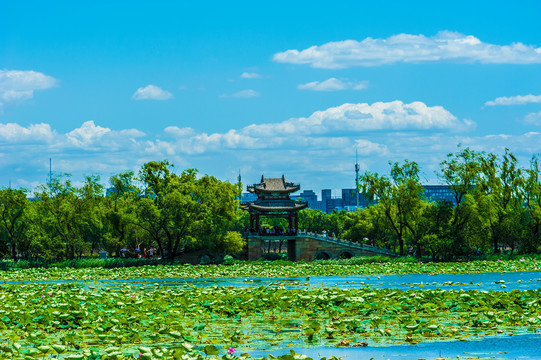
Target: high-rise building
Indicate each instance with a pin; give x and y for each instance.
(439, 193)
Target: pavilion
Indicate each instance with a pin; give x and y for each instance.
(273, 201)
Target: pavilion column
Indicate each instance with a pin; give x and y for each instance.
(251, 222)
(290, 221)
(257, 223)
(296, 222)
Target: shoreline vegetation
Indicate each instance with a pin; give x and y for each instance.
(492, 205)
(100, 269)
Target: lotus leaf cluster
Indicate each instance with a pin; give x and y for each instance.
(270, 270)
(78, 321)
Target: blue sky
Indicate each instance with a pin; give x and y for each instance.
(277, 87)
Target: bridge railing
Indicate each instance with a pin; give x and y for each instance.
(345, 242)
(328, 238)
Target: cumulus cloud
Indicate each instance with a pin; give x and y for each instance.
(333, 128)
(298, 147)
(533, 118)
(515, 100)
(86, 134)
(15, 133)
(248, 93)
(445, 46)
(333, 84)
(394, 115)
(250, 75)
(366, 147)
(17, 85)
(151, 92)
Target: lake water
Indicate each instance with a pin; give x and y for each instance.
(530, 280)
(504, 347)
(509, 347)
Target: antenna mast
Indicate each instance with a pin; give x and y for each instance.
(239, 184)
(357, 168)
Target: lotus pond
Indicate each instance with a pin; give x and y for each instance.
(318, 309)
(273, 270)
(38, 320)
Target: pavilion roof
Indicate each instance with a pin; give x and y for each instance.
(273, 185)
(274, 206)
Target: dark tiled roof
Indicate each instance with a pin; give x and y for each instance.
(293, 207)
(268, 185)
(277, 184)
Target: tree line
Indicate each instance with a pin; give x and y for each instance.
(155, 208)
(497, 205)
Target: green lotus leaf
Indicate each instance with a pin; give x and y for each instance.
(211, 350)
(112, 349)
(75, 357)
(59, 348)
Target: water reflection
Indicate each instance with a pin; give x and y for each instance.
(512, 347)
(530, 280)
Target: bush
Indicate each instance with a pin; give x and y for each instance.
(205, 260)
(229, 260)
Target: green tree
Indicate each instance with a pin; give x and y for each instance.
(400, 197)
(64, 214)
(120, 210)
(460, 173)
(368, 223)
(434, 229)
(502, 183)
(13, 222)
(182, 212)
(312, 220)
(532, 200)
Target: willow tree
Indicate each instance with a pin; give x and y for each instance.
(400, 196)
(502, 181)
(460, 172)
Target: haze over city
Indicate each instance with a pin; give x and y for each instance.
(268, 88)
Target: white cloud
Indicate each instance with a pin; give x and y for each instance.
(248, 93)
(445, 46)
(14, 95)
(86, 134)
(151, 92)
(365, 147)
(317, 150)
(15, 133)
(250, 75)
(515, 100)
(361, 117)
(533, 118)
(333, 84)
(17, 85)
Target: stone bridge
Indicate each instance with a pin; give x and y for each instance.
(309, 246)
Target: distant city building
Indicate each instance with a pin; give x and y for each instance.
(348, 201)
(247, 197)
(437, 193)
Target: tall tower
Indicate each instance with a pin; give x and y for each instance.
(357, 168)
(239, 184)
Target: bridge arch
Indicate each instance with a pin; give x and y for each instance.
(322, 255)
(345, 254)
